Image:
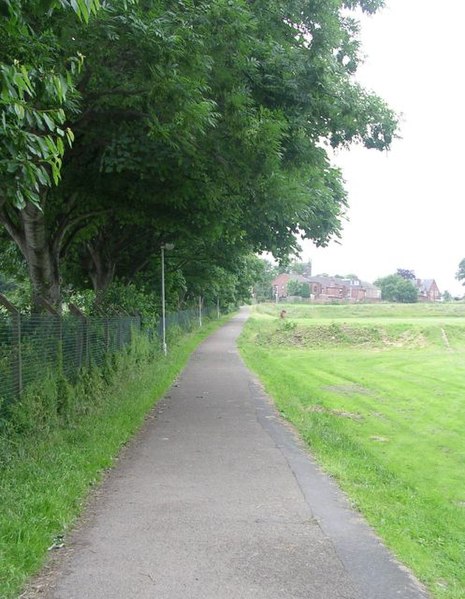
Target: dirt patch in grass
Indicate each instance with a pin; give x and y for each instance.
(335, 412)
(348, 389)
(407, 339)
(318, 336)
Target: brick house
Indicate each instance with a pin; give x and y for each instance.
(280, 283)
(335, 288)
(372, 293)
(329, 288)
(326, 289)
(428, 290)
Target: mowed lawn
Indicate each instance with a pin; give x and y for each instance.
(378, 393)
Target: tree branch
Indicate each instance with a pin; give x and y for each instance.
(13, 229)
(70, 228)
(139, 267)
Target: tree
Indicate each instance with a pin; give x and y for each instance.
(301, 268)
(228, 155)
(395, 288)
(446, 296)
(408, 275)
(460, 274)
(298, 288)
(45, 224)
(37, 85)
(37, 92)
(265, 272)
(189, 123)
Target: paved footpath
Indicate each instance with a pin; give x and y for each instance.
(216, 499)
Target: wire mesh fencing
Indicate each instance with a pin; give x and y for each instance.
(185, 320)
(35, 346)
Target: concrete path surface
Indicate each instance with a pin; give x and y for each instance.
(216, 499)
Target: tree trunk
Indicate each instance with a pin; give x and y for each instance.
(44, 244)
(42, 263)
(101, 267)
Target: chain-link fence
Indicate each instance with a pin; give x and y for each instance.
(33, 346)
(186, 320)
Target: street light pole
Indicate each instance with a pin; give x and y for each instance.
(163, 315)
(164, 246)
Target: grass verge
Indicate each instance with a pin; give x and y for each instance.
(381, 404)
(46, 472)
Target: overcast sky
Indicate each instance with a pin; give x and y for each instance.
(407, 206)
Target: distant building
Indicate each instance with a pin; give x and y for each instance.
(326, 289)
(428, 290)
(373, 293)
(280, 283)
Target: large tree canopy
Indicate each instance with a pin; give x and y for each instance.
(395, 288)
(206, 123)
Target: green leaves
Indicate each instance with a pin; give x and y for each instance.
(460, 274)
(83, 8)
(368, 6)
(395, 288)
(31, 141)
(34, 96)
(204, 121)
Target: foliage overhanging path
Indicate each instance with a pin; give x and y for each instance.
(209, 124)
(214, 496)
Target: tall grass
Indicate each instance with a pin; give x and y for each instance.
(60, 439)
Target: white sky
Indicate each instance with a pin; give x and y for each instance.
(406, 207)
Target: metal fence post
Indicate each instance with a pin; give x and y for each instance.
(83, 339)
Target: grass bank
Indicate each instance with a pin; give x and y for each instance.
(379, 396)
(48, 465)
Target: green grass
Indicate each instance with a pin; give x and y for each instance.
(381, 402)
(318, 311)
(46, 475)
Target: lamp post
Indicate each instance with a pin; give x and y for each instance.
(164, 246)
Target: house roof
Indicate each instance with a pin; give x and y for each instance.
(425, 284)
(329, 281)
(299, 278)
(368, 285)
(285, 276)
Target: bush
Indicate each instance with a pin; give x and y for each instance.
(394, 288)
(120, 297)
(298, 288)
